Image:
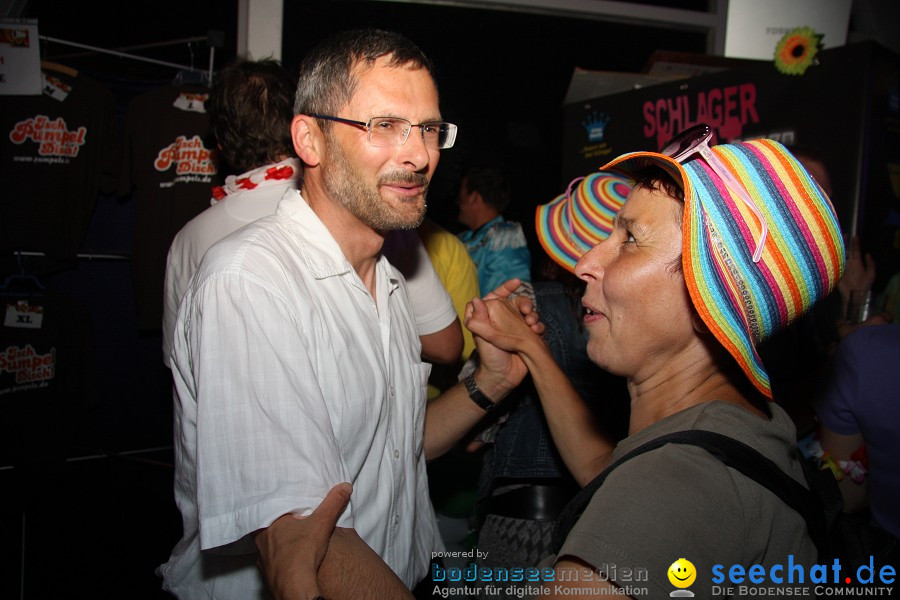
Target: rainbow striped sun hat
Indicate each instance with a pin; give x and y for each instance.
(574, 222)
(801, 259)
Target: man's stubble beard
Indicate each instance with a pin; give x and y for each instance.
(345, 185)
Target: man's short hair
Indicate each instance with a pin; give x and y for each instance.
(327, 79)
(491, 184)
(250, 112)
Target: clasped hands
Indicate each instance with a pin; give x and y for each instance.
(504, 323)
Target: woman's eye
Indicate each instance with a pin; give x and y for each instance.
(629, 238)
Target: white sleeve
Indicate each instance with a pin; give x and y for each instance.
(265, 443)
(432, 306)
(178, 274)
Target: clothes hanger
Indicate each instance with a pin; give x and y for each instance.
(52, 66)
(191, 75)
(22, 283)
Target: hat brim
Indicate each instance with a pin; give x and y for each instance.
(575, 221)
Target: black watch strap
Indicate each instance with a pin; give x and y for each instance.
(476, 394)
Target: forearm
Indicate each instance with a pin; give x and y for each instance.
(453, 414)
(353, 570)
(582, 446)
(288, 556)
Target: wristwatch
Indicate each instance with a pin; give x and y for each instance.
(476, 394)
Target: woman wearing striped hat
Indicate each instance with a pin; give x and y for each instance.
(714, 249)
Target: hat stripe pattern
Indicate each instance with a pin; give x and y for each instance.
(744, 302)
(574, 222)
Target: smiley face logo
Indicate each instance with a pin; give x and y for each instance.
(682, 573)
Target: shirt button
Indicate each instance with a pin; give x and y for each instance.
(396, 454)
(392, 391)
(396, 519)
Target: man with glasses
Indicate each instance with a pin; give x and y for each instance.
(296, 361)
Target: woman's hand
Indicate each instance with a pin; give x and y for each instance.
(500, 368)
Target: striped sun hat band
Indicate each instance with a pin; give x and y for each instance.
(741, 301)
(574, 222)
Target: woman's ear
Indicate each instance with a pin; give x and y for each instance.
(698, 323)
(307, 138)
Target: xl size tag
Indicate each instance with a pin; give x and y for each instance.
(23, 315)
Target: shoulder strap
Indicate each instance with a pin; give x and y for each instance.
(732, 453)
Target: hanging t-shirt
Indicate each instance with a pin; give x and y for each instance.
(169, 167)
(57, 152)
(47, 376)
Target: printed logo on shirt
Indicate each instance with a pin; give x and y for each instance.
(190, 159)
(53, 137)
(191, 102)
(28, 366)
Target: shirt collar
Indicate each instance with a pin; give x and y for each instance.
(321, 252)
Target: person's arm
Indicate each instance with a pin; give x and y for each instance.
(452, 414)
(859, 273)
(302, 558)
(444, 346)
(840, 448)
(436, 322)
(584, 449)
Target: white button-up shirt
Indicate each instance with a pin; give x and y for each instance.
(290, 378)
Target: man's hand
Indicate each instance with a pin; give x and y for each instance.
(292, 548)
(500, 368)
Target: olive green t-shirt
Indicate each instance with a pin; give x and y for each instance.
(679, 501)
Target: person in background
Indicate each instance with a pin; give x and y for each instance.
(699, 222)
(498, 247)
(456, 270)
(296, 361)
(250, 108)
(859, 423)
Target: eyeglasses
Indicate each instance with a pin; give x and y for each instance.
(391, 131)
(696, 141)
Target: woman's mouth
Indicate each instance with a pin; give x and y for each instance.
(591, 314)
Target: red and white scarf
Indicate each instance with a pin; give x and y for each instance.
(277, 174)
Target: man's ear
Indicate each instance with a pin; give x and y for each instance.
(308, 139)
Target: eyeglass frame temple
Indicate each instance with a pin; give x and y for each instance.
(702, 147)
(736, 186)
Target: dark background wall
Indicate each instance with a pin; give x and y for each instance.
(502, 75)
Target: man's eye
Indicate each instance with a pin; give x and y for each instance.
(385, 125)
(629, 238)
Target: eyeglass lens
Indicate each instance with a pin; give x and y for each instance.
(385, 131)
(686, 141)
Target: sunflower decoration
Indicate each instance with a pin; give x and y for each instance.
(797, 50)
